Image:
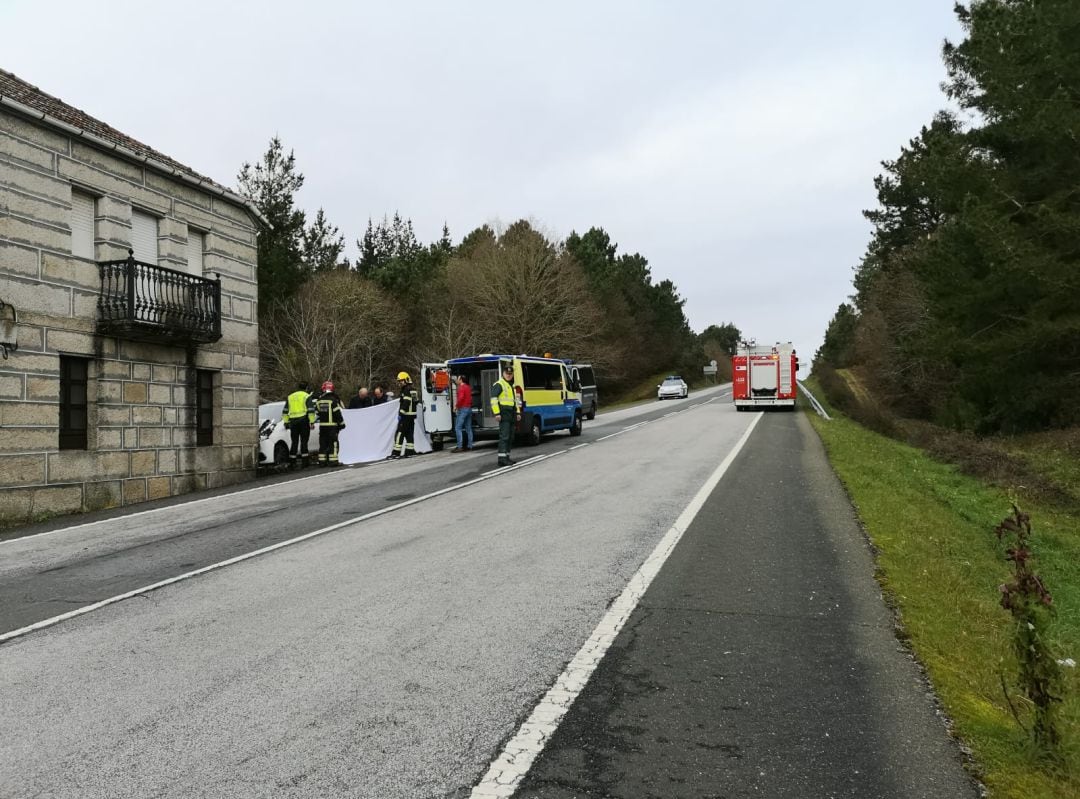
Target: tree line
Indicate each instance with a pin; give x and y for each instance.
(403, 302)
(966, 309)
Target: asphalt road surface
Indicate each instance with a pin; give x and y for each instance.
(397, 650)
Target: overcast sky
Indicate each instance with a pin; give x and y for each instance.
(733, 144)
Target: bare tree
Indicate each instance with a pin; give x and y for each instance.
(450, 333)
(522, 293)
(338, 326)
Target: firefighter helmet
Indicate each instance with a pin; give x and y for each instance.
(404, 376)
(327, 386)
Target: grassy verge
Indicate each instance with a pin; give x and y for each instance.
(940, 564)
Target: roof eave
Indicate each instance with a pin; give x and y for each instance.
(201, 183)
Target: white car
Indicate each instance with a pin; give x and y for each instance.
(673, 387)
(274, 438)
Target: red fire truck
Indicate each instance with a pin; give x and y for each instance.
(764, 376)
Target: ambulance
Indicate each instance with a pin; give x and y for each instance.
(764, 376)
(551, 396)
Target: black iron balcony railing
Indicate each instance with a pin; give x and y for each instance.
(146, 301)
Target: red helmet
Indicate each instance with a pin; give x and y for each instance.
(327, 386)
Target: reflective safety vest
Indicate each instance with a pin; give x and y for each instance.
(298, 405)
(328, 410)
(504, 396)
(408, 401)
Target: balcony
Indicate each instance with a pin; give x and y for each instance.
(147, 302)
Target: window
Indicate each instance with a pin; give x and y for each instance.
(82, 225)
(196, 245)
(73, 379)
(204, 408)
(542, 375)
(144, 237)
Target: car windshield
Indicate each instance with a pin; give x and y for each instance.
(672, 381)
(270, 410)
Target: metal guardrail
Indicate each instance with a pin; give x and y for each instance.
(813, 400)
(143, 300)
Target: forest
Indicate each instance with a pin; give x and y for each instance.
(966, 304)
(403, 302)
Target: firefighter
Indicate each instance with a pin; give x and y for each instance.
(328, 412)
(298, 414)
(506, 405)
(407, 405)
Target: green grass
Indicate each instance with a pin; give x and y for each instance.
(940, 564)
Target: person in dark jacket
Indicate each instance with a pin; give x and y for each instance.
(361, 400)
(328, 412)
(380, 396)
(407, 407)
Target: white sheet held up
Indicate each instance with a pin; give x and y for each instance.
(369, 434)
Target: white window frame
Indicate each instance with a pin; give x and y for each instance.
(144, 238)
(83, 219)
(196, 248)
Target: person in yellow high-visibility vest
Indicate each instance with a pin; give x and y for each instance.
(298, 414)
(506, 405)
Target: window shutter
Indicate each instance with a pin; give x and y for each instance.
(196, 243)
(144, 237)
(82, 225)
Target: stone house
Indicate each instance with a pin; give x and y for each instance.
(127, 317)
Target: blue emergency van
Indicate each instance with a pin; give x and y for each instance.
(551, 396)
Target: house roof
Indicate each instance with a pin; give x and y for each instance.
(52, 111)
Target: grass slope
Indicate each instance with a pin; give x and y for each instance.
(940, 564)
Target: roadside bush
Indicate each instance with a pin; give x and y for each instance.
(1028, 600)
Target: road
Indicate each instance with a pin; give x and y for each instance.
(397, 651)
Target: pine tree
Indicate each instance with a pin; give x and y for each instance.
(271, 185)
(322, 245)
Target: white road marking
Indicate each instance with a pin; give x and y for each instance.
(519, 464)
(248, 555)
(513, 763)
(172, 507)
(158, 510)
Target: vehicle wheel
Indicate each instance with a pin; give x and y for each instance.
(575, 428)
(592, 412)
(281, 454)
(686, 395)
(436, 443)
(534, 433)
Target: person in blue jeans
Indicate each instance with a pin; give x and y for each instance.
(463, 418)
